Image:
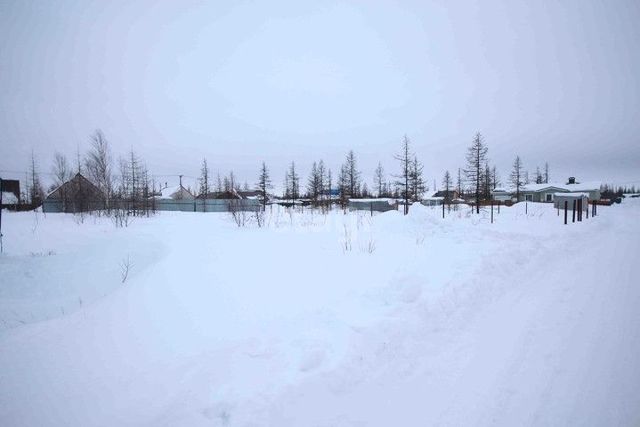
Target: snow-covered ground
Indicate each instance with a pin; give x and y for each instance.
(313, 320)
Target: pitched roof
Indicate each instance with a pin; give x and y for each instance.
(585, 186)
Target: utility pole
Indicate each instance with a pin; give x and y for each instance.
(180, 181)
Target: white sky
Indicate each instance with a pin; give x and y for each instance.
(243, 82)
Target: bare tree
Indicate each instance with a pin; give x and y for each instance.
(546, 172)
(446, 185)
(494, 178)
(36, 192)
(292, 183)
(459, 183)
(205, 188)
(60, 169)
(378, 179)
(98, 164)
(352, 175)
(313, 184)
(416, 182)
(476, 159)
(322, 174)
(405, 172)
(343, 186)
(516, 177)
(264, 184)
(539, 178)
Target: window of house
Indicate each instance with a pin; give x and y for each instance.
(528, 197)
(549, 197)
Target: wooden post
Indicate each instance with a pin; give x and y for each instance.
(1, 246)
(492, 212)
(587, 210)
(579, 210)
(573, 219)
(526, 208)
(371, 208)
(566, 205)
(443, 209)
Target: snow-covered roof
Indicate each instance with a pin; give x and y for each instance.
(584, 186)
(433, 198)
(169, 191)
(8, 198)
(500, 190)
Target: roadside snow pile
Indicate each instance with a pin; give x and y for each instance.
(339, 319)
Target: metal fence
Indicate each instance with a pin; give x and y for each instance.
(197, 205)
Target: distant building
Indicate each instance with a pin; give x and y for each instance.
(76, 195)
(175, 193)
(502, 195)
(546, 192)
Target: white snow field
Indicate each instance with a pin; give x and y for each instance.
(312, 320)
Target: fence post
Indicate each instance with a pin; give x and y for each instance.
(573, 219)
(566, 205)
(1, 247)
(526, 208)
(371, 208)
(443, 209)
(492, 212)
(579, 207)
(587, 210)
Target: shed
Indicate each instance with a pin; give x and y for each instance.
(561, 198)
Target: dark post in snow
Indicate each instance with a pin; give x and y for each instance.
(526, 208)
(573, 219)
(443, 209)
(580, 210)
(566, 206)
(371, 208)
(587, 210)
(492, 212)
(1, 248)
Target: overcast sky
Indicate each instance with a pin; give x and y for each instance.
(241, 82)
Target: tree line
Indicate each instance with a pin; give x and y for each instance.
(134, 183)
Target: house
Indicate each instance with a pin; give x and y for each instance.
(76, 195)
(546, 192)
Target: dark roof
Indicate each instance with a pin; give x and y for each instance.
(77, 184)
